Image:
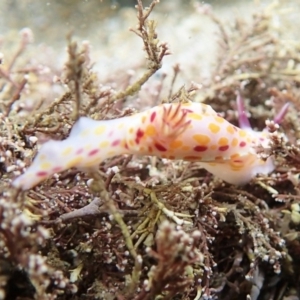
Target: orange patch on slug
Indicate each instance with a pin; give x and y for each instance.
(214, 128)
(103, 144)
(67, 151)
(223, 141)
(73, 162)
(236, 164)
(219, 119)
(99, 130)
(234, 142)
(230, 129)
(45, 165)
(201, 139)
(234, 156)
(242, 133)
(192, 157)
(236, 167)
(195, 116)
(150, 131)
(176, 144)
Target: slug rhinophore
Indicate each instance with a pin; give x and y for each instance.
(188, 131)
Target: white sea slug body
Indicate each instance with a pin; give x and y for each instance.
(188, 131)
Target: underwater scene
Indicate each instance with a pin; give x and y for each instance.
(149, 150)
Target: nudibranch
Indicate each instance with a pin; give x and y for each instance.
(188, 131)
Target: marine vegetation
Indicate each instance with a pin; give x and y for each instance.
(109, 190)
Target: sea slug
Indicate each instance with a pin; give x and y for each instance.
(188, 131)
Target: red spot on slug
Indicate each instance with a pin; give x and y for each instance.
(139, 135)
(242, 144)
(79, 151)
(93, 152)
(200, 148)
(41, 174)
(126, 146)
(152, 117)
(238, 161)
(160, 147)
(115, 143)
(224, 148)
